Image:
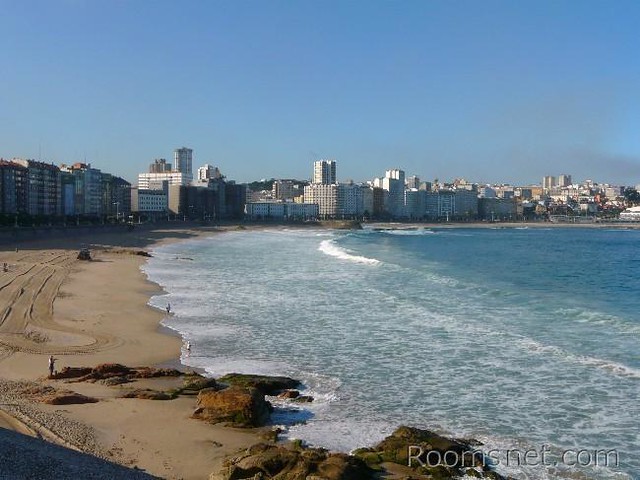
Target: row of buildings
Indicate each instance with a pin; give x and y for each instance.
(395, 196)
(392, 196)
(170, 189)
(41, 189)
(38, 189)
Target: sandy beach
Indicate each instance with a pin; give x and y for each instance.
(88, 313)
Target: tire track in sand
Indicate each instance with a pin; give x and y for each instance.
(26, 319)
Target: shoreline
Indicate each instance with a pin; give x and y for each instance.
(89, 313)
(400, 226)
(504, 225)
(157, 437)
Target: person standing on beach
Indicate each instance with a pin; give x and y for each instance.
(168, 308)
(52, 362)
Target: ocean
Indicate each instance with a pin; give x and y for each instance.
(524, 339)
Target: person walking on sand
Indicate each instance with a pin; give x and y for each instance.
(52, 362)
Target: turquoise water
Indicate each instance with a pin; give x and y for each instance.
(520, 338)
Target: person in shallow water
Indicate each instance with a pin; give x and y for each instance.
(168, 308)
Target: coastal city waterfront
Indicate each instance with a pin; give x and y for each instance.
(515, 337)
(36, 193)
(319, 240)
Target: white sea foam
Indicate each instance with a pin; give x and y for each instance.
(329, 247)
(218, 366)
(598, 318)
(606, 365)
(372, 346)
(340, 434)
(408, 232)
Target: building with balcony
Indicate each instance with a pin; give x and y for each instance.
(43, 188)
(87, 189)
(13, 188)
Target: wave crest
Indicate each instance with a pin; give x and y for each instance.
(330, 248)
(612, 367)
(409, 232)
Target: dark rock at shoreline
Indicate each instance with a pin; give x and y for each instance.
(71, 372)
(143, 253)
(112, 381)
(268, 385)
(303, 399)
(194, 383)
(239, 406)
(289, 394)
(106, 371)
(67, 398)
(149, 394)
(293, 462)
(432, 454)
(150, 372)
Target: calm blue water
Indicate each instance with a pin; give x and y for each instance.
(517, 337)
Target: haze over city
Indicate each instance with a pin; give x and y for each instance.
(491, 91)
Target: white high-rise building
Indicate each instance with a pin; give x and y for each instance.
(324, 172)
(208, 172)
(182, 160)
(393, 183)
(325, 195)
(152, 181)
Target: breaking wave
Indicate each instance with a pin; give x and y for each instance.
(329, 247)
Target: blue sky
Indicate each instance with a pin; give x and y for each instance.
(492, 91)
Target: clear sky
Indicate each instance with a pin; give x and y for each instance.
(492, 91)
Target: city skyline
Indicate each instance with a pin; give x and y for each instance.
(493, 92)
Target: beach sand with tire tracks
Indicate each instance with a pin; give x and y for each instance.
(88, 313)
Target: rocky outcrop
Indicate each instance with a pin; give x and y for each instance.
(289, 394)
(431, 454)
(268, 385)
(238, 406)
(106, 371)
(149, 394)
(303, 399)
(112, 381)
(47, 394)
(194, 382)
(293, 462)
(67, 398)
(71, 372)
(150, 372)
(294, 396)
